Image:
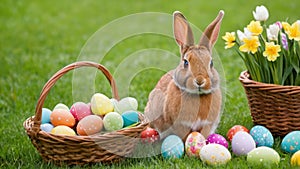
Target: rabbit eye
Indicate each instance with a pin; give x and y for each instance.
(211, 63)
(185, 63)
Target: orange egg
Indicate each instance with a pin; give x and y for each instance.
(233, 130)
(62, 117)
(89, 125)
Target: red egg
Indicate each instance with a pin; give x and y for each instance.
(231, 132)
(80, 110)
(149, 135)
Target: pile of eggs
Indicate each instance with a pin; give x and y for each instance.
(101, 114)
(255, 144)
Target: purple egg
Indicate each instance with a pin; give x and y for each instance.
(217, 139)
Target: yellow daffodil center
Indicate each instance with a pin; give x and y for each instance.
(250, 44)
(255, 28)
(230, 39)
(271, 51)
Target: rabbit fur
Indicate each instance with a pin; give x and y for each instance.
(188, 98)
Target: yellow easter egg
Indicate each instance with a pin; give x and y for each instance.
(63, 130)
(101, 104)
(295, 160)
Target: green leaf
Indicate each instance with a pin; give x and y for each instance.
(297, 80)
(286, 74)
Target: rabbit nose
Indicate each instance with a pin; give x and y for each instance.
(200, 83)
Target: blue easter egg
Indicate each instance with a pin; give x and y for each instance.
(172, 147)
(262, 136)
(46, 115)
(130, 117)
(291, 142)
(47, 127)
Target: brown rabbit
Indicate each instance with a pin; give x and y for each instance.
(188, 98)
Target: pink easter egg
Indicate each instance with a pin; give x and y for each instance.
(80, 110)
(218, 139)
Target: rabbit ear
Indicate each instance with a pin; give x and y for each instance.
(211, 33)
(182, 30)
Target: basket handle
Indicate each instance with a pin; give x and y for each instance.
(58, 75)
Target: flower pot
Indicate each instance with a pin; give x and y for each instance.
(276, 107)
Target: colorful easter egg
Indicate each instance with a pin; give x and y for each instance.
(291, 142)
(62, 117)
(61, 106)
(218, 139)
(263, 155)
(214, 154)
(262, 136)
(63, 130)
(46, 115)
(47, 127)
(242, 143)
(233, 130)
(125, 104)
(193, 144)
(80, 110)
(101, 104)
(149, 135)
(172, 147)
(130, 117)
(113, 121)
(89, 125)
(295, 160)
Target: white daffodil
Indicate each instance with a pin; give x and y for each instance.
(261, 13)
(243, 35)
(272, 32)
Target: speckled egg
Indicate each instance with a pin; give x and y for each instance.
(62, 117)
(291, 142)
(61, 106)
(113, 121)
(215, 154)
(89, 125)
(46, 115)
(218, 139)
(130, 117)
(125, 104)
(295, 160)
(172, 147)
(193, 144)
(233, 130)
(63, 130)
(262, 136)
(101, 104)
(242, 143)
(47, 127)
(263, 155)
(80, 110)
(149, 135)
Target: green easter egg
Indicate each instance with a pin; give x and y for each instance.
(263, 155)
(113, 121)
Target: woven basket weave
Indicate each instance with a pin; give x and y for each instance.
(273, 106)
(79, 150)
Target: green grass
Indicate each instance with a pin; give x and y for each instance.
(40, 37)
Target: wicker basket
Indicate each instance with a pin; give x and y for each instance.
(273, 106)
(62, 149)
